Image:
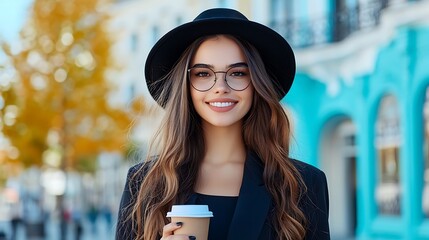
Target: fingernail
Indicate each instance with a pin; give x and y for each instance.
(179, 224)
(192, 238)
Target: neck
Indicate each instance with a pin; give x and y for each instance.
(224, 144)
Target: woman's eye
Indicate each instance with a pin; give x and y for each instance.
(202, 74)
(238, 72)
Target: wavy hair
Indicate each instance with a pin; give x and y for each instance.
(266, 131)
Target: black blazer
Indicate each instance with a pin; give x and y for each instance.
(252, 216)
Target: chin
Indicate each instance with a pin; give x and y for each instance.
(224, 123)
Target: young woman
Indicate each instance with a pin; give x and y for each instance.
(224, 139)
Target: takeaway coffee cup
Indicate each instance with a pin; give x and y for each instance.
(195, 219)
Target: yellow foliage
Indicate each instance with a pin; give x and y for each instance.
(61, 91)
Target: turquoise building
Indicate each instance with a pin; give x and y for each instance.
(359, 105)
(360, 109)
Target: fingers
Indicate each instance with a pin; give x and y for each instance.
(168, 231)
(170, 228)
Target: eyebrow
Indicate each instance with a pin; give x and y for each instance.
(238, 64)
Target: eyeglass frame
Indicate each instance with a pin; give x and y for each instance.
(240, 64)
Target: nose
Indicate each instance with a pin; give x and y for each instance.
(220, 85)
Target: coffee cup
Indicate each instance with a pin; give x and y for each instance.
(195, 220)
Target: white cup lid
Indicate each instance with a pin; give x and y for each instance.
(196, 211)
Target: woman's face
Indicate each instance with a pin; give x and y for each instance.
(220, 105)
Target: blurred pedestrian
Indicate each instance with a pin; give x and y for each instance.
(65, 217)
(224, 140)
(77, 222)
(107, 215)
(78, 229)
(34, 217)
(15, 223)
(3, 235)
(92, 217)
(15, 219)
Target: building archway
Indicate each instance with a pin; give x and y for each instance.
(338, 160)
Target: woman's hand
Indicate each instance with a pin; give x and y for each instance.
(168, 230)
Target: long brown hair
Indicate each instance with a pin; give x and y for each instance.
(180, 147)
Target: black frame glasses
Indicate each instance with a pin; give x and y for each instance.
(203, 78)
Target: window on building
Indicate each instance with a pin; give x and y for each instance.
(222, 3)
(227, 3)
(387, 143)
(179, 20)
(425, 200)
(341, 20)
(280, 19)
(134, 41)
(155, 34)
(277, 11)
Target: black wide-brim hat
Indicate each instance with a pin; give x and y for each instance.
(275, 51)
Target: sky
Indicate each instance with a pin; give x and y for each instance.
(13, 14)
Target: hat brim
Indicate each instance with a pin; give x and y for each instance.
(276, 53)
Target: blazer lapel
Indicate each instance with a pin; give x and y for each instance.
(253, 202)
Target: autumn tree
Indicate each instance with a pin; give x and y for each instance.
(56, 107)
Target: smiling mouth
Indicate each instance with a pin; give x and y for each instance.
(221, 104)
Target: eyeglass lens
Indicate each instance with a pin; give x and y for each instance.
(204, 78)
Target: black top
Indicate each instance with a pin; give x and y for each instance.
(223, 208)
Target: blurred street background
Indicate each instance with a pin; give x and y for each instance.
(75, 112)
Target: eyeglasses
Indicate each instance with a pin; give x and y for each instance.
(203, 78)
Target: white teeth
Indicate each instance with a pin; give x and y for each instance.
(221, 104)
